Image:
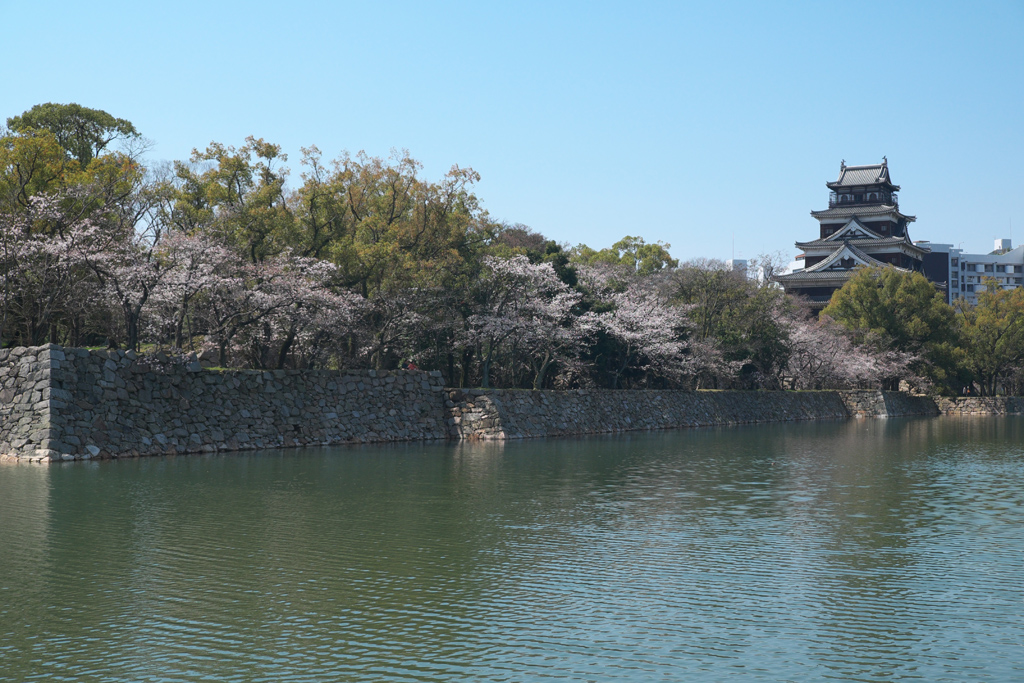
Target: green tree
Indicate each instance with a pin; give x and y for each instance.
(30, 164)
(902, 310)
(400, 241)
(236, 194)
(82, 132)
(632, 252)
(322, 216)
(393, 229)
(993, 334)
(711, 290)
(743, 316)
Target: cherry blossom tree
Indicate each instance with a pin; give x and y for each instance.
(390, 324)
(554, 334)
(129, 270)
(197, 264)
(818, 356)
(647, 330)
(273, 304)
(40, 269)
(523, 306)
(298, 309)
(230, 305)
(823, 356)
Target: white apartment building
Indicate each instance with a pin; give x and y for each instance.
(967, 272)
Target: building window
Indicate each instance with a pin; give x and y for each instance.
(988, 267)
(1018, 269)
(953, 261)
(1000, 269)
(1018, 280)
(956, 285)
(970, 288)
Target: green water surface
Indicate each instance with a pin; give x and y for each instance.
(870, 550)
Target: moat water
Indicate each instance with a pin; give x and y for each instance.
(868, 550)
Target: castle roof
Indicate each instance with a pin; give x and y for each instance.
(862, 210)
(840, 264)
(859, 176)
(857, 234)
(863, 243)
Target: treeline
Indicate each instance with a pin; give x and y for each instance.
(963, 348)
(363, 263)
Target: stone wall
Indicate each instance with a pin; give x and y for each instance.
(505, 414)
(981, 405)
(115, 404)
(27, 401)
(66, 404)
(509, 414)
(887, 404)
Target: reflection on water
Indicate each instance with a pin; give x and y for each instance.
(860, 550)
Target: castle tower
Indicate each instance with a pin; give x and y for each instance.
(862, 226)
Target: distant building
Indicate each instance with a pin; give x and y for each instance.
(966, 273)
(738, 265)
(862, 226)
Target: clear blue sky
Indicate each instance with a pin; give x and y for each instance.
(687, 123)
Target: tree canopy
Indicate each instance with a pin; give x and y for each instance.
(632, 252)
(901, 306)
(82, 132)
(992, 335)
(363, 262)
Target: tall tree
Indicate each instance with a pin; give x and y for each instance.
(632, 252)
(30, 164)
(83, 132)
(647, 334)
(902, 311)
(503, 309)
(901, 305)
(993, 335)
(711, 290)
(237, 195)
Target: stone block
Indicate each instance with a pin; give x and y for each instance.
(45, 434)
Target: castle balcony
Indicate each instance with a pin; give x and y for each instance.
(852, 199)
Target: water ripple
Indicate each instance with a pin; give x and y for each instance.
(862, 551)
